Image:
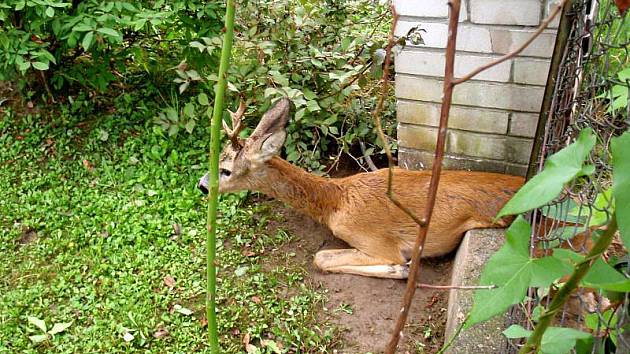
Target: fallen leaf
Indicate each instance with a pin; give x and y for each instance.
(60, 327)
(203, 322)
(128, 337)
(248, 253)
(622, 5)
(88, 165)
(249, 348)
(246, 339)
(177, 229)
(161, 333)
(184, 311)
(236, 332)
(169, 281)
(256, 299)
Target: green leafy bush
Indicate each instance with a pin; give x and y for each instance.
(326, 58)
(89, 43)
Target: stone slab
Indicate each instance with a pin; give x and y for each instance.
(476, 248)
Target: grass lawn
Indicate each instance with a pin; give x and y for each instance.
(101, 226)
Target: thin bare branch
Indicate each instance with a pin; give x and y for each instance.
(454, 7)
(456, 287)
(543, 25)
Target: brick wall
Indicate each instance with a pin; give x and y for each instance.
(493, 118)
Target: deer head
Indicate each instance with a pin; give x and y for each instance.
(241, 160)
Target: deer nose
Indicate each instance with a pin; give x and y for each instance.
(203, 184)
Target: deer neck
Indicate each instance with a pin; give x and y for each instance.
(315, 196)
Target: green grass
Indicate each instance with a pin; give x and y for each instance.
(102, 198)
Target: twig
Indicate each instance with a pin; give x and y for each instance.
(543, 25)
(367, 157)
(456, 287)
(454, 6)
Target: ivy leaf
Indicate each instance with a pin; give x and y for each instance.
(516, 331)
(512, 270)
(37, 323)
(620, 148)
(559, 340)
(556, 340)
(601, 275)
(560, 168)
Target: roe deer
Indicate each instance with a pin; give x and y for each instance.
(356, 208)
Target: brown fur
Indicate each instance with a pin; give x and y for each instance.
(357, 209)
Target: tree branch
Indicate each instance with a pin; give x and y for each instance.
(447, 90)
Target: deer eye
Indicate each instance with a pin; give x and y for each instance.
(224, 172)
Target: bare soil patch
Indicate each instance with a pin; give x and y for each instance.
(366, 308)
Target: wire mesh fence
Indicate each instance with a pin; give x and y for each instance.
(589, 89)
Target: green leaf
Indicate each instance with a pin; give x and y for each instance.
(38, 338)
(23, 66)
(558, 340)
(110, 32)
(50, 12)
(87, 41)
(190, 126)
(189, 109)
(40, 65)
(516, 331)
(37, 323)
(560, 168)
(601, 275)
(82, 28)
(512, 270)
(203, 99)
(620, 148)
(59, 327)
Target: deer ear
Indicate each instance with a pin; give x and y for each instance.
(267, 140)
(275, 119)
(270, 146)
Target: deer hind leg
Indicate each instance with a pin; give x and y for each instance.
(353, 261)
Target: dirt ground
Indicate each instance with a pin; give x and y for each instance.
(366, 308)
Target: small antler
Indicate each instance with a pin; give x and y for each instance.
(237, 125)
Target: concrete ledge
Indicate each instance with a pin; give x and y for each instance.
(476, 248)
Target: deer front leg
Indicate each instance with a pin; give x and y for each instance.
(353, 261)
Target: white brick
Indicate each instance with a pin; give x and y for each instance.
(523, 124)
(432, 64)
(550, 5)
(506, 12)
(504, 40)
(479, 94)
(417, 137)
(427, 8)
(476, 145)
(531, 71)
(518, 150)
(463, 118)
(469, 38)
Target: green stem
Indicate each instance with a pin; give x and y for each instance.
(215, 144)
(602, 244)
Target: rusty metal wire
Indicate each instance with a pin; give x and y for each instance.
(596, 50)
